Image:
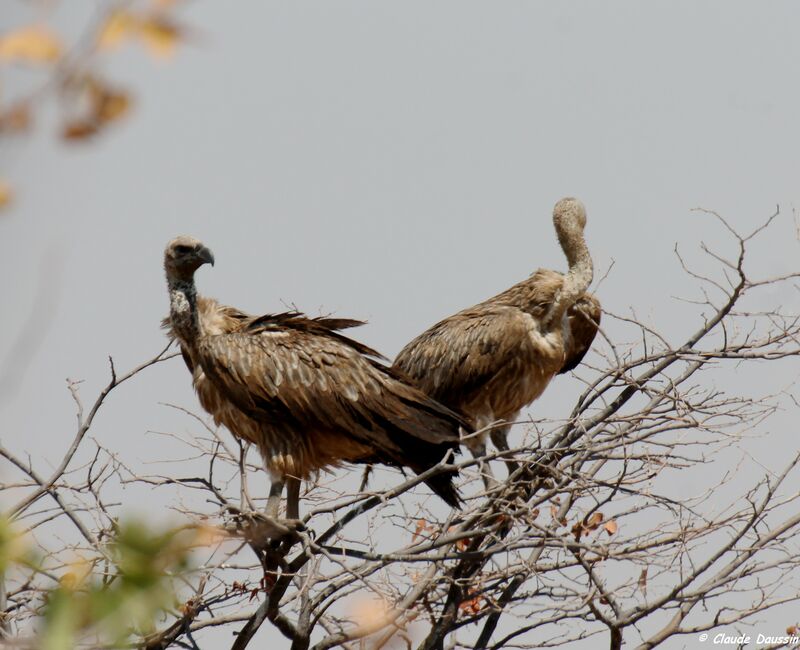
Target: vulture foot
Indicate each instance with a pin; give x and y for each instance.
(260, 530)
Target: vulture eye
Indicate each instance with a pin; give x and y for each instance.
(183, 250)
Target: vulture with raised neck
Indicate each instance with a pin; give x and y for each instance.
(491, 360)
(307, 396)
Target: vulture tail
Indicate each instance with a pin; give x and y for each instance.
(425, 431)
(442, 485)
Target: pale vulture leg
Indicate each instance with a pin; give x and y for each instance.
(274, 500)
(477, 447)
(478, 451)
(273, 509)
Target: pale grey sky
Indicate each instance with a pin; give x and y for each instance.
(391, 161)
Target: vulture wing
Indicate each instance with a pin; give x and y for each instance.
(535, 295)
(222, 319)
(322, 326)
(584, 319)
(313, 387)
(462, 354)
(217, 319)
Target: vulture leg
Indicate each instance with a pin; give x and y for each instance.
(478, 449)
(274, 501)
(500, 440)
(280, 527)
(292, 497)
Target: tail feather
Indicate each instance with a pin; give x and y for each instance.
(442, 485)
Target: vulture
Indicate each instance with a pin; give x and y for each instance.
(490, 360)
(309, 397)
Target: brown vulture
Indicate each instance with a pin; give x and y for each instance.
(309, 397)
(490, 360)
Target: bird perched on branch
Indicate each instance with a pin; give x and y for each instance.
(490, 360)
(309, 397)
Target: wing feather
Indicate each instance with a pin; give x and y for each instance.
(277, 379)
(584, 320)
(457, 360)
(461, 354)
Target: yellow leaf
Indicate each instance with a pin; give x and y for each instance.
(76, 574)
(5, 193)
(160, 36)
(119, 26)
(34, 44)
(611, 527)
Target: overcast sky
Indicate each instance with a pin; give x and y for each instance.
(391, 161)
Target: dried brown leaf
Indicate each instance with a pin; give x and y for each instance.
(422, 525)
(5, 194)
(594, 521)
(472, 605)
(461, 544)
(189, 608)
(79, 130)
(112, 106)
(16, 119)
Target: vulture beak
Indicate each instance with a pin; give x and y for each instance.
(206, 255)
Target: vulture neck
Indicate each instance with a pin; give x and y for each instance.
(183, 309)
(577, 279)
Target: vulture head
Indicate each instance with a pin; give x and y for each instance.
(569, 218)
(184, 255)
